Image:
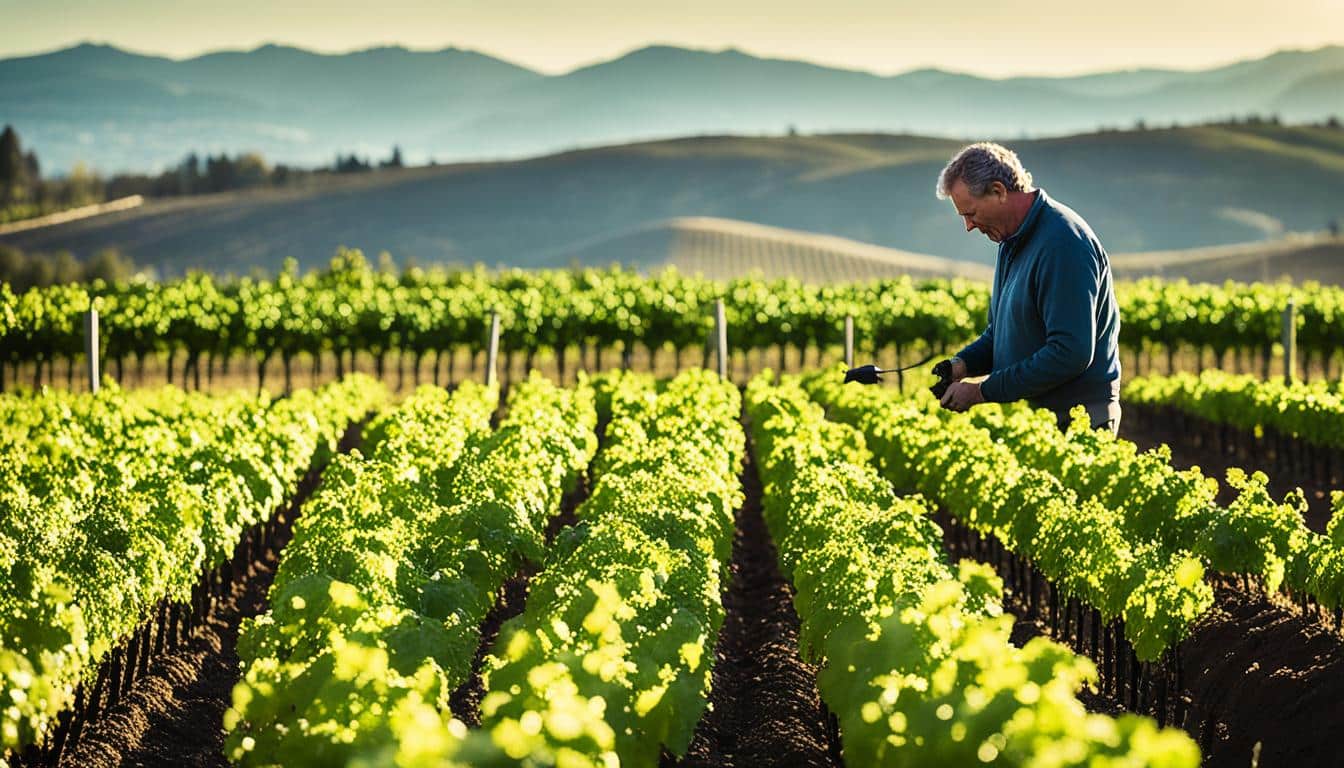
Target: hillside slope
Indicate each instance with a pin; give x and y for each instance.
(722, 249)
(1298, 258)
(1140, 191)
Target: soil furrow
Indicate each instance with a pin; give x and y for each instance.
(764, 709)
(1253, 673)
(174, 715)
(465, 702)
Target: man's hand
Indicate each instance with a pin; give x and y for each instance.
(952, 369)
(961, 395)
(948, 371)
(958, 369)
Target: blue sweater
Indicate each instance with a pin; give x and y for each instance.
(1054, 328)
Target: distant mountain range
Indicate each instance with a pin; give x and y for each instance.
(117, 111)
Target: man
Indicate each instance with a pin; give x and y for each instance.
(1054, 327)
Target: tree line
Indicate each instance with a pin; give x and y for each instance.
(26, 271)
(25, 194)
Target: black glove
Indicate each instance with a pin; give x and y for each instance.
(943, 371)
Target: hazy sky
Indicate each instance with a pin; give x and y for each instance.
(885, 36)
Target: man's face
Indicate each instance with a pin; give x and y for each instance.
(989, 213)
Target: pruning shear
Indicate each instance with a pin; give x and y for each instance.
(871, 374)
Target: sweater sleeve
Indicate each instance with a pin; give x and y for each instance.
(979, 354)
(1067, 291)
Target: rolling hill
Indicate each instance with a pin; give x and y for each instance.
(1140, 190)
(1315, 257)
(722, 249)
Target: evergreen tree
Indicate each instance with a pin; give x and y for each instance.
(189, 174)
(13, 169)
(219, 172)
(110, 266)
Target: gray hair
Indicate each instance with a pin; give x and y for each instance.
(980, 165)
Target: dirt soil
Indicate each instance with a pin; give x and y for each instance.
(1259, 676)
(1258, 673)
(1254, 672)
(174, 716)
(764, 706)
(465, 702)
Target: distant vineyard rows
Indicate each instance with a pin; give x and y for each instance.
(352, 307)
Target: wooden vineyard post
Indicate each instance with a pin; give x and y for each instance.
(708, 348)
(91, 347)
(849, 341)
(721, 338)
(492, 353)
(1290, 342)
